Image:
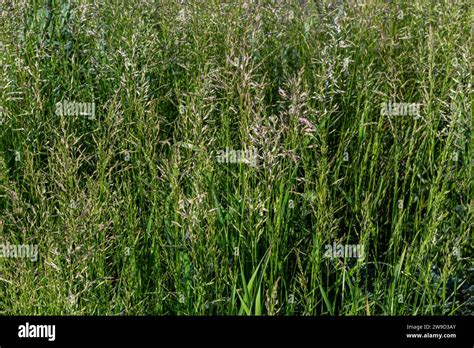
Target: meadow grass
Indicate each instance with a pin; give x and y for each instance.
(134, 214)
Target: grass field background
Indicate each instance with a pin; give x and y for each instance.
(131, 210)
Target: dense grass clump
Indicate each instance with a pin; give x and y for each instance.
(137, 210)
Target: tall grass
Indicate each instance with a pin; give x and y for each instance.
(132, 212)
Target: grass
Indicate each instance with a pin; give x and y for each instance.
(131, 210)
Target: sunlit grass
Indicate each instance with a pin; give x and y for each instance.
(133, 212)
